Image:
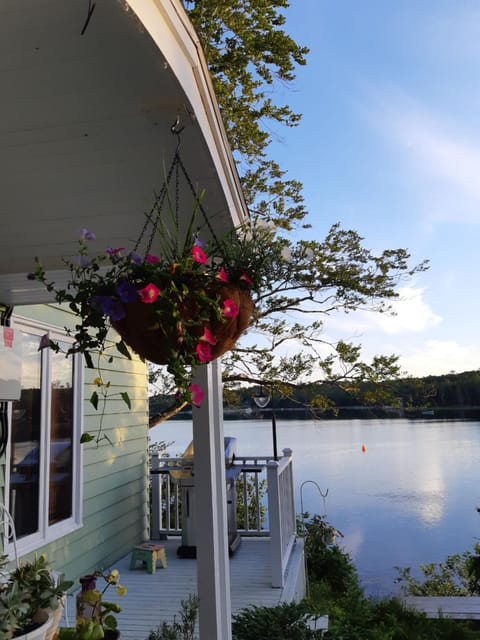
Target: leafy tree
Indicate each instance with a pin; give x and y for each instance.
(457, 575)
(249, 55)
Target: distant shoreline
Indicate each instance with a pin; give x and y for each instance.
(349, 413)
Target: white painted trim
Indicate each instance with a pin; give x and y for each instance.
(49, 533)
(275, 524)
(213, 569)
(170, 28)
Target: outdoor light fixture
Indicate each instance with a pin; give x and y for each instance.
(262, 400)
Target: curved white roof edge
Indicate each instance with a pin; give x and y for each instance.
(170, 28)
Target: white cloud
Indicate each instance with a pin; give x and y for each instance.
(443, 158)
(438, 357)
(412, 313)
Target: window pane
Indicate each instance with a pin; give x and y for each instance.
(25, 439)
(61, 438)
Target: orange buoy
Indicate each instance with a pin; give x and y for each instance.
(364, 448)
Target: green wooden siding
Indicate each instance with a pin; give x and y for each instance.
(115, 478)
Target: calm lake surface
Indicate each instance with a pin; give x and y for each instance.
(409, 498)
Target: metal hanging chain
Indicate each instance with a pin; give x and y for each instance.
(158, 206)
(154, 215)
(90, 10)
(200, 206)
(177, 200)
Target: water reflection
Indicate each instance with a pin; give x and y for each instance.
(398, 504)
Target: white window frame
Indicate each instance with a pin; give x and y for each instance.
(48, 533)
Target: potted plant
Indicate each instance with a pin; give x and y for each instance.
(95, 616)
(181, 304)
(29, 594)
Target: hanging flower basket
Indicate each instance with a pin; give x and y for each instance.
(195, 333)
(182, 296)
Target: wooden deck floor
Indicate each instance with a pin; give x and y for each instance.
(153, 598)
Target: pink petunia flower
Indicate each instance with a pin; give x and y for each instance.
(196, 394)
(222, 275)
(246, 278)
(208, 336)
(149, 293)
(151, 259)
(203, 351)
(199, 255)
(230, 309)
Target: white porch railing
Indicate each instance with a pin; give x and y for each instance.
(265, 503)
(281, 508)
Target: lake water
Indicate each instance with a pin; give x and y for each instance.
(402, 492)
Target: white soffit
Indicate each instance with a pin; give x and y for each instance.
(85, 128)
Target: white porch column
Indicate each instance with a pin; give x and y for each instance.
(213, 570)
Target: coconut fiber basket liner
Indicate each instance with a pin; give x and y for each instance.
(155, 338)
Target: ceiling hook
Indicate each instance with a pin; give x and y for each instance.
(176, 129)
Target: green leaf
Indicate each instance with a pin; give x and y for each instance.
(122, 347)
(94, 400)
(126, 399)
(105, 437)
(110, 622)
(88, 359)
(86, 437)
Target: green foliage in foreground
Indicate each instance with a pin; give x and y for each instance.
(457, 575)
(334, 590)
(183, 629)
(286, 621)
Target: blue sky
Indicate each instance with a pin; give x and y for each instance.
(389, 145)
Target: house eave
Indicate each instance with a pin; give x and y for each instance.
(85, 129)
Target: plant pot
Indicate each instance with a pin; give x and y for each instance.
(56, 614)
(156, 338)
(39, 633)
(88, 582)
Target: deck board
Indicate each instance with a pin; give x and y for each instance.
(153, 598)
(458, 607)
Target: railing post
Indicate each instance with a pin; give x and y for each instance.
(288, 453)
(274, 520)
(155, 497)
(213, 569)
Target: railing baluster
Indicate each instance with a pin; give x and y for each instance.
(176, 503)
(258, 510)
(167, 502)
(245, 500)
(155, 489)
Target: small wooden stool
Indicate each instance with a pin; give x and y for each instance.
(148, 553)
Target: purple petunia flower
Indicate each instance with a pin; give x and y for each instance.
(87, 235)
(83, 261)
(114, 254)
(126, 291)
(109, 306)
(117, 310)
(135, 257)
